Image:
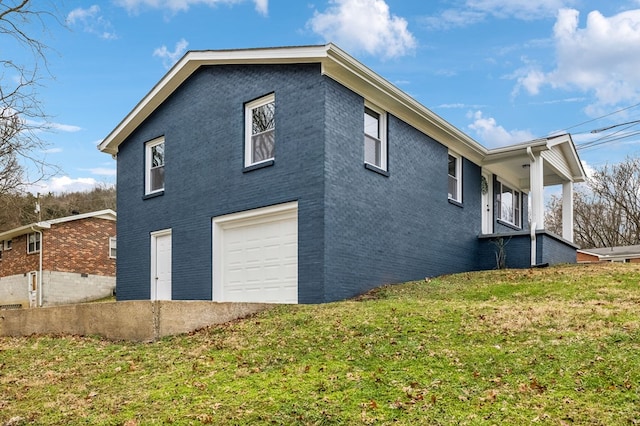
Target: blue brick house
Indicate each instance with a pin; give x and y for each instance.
(298, 175)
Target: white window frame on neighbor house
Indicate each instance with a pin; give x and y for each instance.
(455, 179)
(514, 206)
(379, 139)
(8, 244)
(250, 136)
(150, 168)
(112, 247)
(33, 238)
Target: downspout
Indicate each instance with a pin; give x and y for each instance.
(534, 257)
(40, 289)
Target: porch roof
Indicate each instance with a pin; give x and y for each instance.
(561, 161)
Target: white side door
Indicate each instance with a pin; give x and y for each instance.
(33, 289)
(161, 265)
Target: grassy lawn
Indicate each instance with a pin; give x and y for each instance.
(557, 346)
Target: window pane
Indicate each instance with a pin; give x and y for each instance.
(263, 118)
(156, 176)
(372, 148)
(453, 188)
(157, 155)
(452, 166)
(372, 123)
(263, 145)
(507, 205)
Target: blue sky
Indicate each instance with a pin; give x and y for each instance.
(503, 71)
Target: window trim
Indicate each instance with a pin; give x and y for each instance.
(248, 129)
(458, 177)
(37, 243)
(382, 131)
(147, 166)
(113, 246)
(517, 210)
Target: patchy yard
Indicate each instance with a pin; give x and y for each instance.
(554, 346)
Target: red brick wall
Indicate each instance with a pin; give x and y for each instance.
(80, 246)
(583, 257)
(17, 261)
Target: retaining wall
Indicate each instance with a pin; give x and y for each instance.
(140, 321)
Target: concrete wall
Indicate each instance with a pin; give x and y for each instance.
(135, 320)
(14, 290)
(66, 287)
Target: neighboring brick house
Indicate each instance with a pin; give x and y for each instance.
(59, 261)
(623, 254)
(298, 175)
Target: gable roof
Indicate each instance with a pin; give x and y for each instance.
(107, 214)
(343, 68)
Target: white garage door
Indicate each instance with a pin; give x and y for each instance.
(255, 255)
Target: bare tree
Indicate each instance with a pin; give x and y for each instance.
(606, 210)
(21, 114)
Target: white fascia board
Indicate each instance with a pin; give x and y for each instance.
(187, 65)
(107, 214)
(347, 71)
(26, 229)
(335, 63)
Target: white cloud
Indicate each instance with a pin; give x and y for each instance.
(101, 171)
(494, 135)
(169, 58)
(602, 58)
(174, 6)
(61, 184)
(364, 25)
(92, 22)
(474, 11)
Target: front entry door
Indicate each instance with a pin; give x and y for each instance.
(161, 265)
(33, 289)
(487, 203)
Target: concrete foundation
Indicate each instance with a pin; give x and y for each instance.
(140, 321)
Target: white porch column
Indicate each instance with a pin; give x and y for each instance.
(567, 211)
(536, 178)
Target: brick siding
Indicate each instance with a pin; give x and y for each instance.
(80, 246)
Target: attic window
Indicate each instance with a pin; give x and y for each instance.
(260, 130)
(375, 137)
(455, 177)
(154, 166)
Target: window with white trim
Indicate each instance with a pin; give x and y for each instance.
(509, 204)
(154, 166)
(260, 130)
(455, 177)
(8, 244)
(375, 137)
(33, 242)
(112, 247)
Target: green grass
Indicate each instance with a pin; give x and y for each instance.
(557, 346)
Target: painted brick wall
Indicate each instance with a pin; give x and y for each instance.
(383, 229)
(203, 126)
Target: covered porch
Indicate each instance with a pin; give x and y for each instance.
(531, 167)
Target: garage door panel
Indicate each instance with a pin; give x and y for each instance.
(257, 257)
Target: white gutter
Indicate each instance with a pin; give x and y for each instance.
(39, 280)
(40, 226)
